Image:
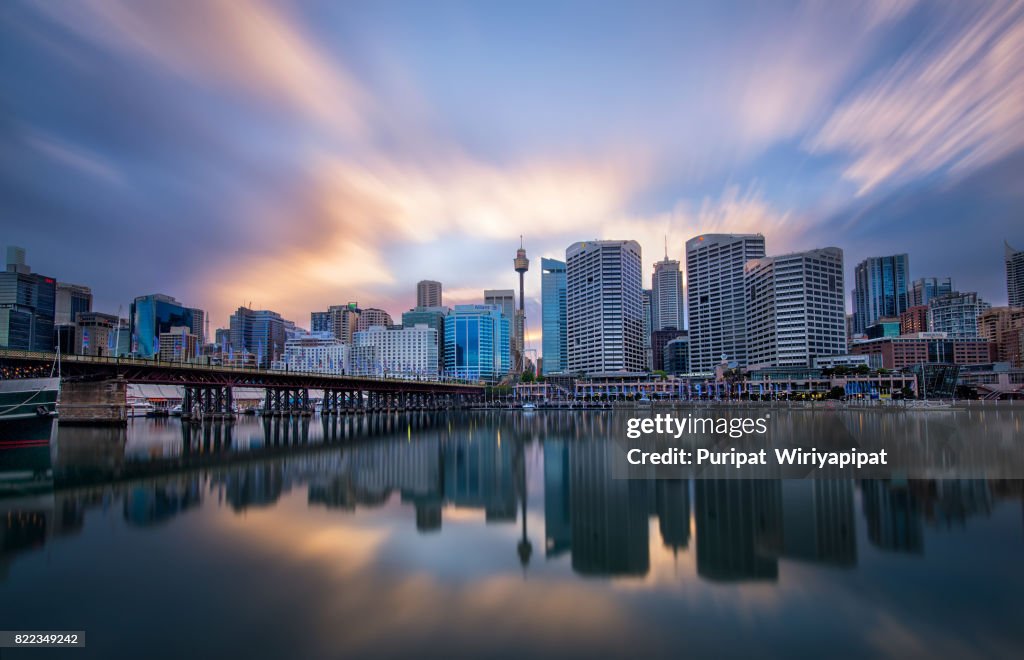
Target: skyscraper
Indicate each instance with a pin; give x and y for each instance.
(71, 300)
(796, 308)
(923, 289)
(603, 307)
(554, 323)
(646, 296)
(260, 332)
(716, 297)
(477, 343)
(505, 300)
(27, 306)
(152, 315)
(667, 295)
(428, 293)
(1014, 276)
(880, 289)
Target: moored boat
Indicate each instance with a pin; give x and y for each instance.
(26, 398)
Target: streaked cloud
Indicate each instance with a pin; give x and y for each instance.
(955, 100)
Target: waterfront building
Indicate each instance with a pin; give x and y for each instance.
(319, 352)
(716, 297)
(677, 355)
(914, 320)
(371, 316)
(398, 352)
(179, 344)
(476, 343)
(659, 340)
(428, 294)
(923, 289)
(27, 306)
(667, 295)
(1014, 276)
(925, 347)
(795, 307)
(646, 298)
(151, 315)
(261, 332)
(555, 325)
(432, 317)
(603, 307)
(1005, 327)
(96, 333)
(71, 299)
(847, 360)
(956, 314)
(880, 289)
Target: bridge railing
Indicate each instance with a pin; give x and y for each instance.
(45, 356)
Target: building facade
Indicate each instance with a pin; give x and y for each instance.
(1005, 327)
(716, 297)
(880, 289)
(432, 317)
(27, 306)
(554, 324)
(604, 311)
(150, 316)
(97, 334)
(677, 355)
(396, 352)
(505, 299)
(914, 320)
(320, 322)
(320, 352)
(372, 316)
(924, 348)
(476, 343)
(1014, 276)
(428, 294)
(179, 344)
(956, 314)
(667, 296)
(71, 299)
(923, 289)
(261, 332)
(659, 340)
(796, 308)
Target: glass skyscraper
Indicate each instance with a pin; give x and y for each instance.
(27, 304)
(924, 289)
(432, 317)
(152, 315)
(880, 289)
(260, 332)
(477, 345)
(553, 320)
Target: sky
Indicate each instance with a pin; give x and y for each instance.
(290, 156)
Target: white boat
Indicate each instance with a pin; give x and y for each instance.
(139, 407)
(529, 406)
(930, 405)
(25, 398)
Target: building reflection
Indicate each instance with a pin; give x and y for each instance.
(431, 463)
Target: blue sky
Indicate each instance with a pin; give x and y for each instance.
(297, 155)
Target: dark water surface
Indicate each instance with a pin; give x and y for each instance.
(492, 534)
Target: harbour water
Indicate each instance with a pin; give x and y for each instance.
(498, 534)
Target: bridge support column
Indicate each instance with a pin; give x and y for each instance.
(202, 403)
(100, 402)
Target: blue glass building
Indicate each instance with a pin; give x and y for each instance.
(880, 289)
(27, 303)
(553, 317)
(151, 315)
(477, 345)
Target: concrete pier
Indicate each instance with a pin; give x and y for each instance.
(94, 402)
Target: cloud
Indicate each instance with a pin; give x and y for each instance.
(954, 101)
(249, 45)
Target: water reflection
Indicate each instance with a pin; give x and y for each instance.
(466, 492)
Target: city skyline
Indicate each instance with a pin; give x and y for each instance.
(306, 157)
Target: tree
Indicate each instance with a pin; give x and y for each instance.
(837, 392)
(527, 377)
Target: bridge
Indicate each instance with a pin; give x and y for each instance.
(94, 388)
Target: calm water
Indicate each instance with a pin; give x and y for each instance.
(493, 534)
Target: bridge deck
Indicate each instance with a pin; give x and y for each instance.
(139, 370)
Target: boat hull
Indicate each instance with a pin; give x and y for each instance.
(28, 398)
